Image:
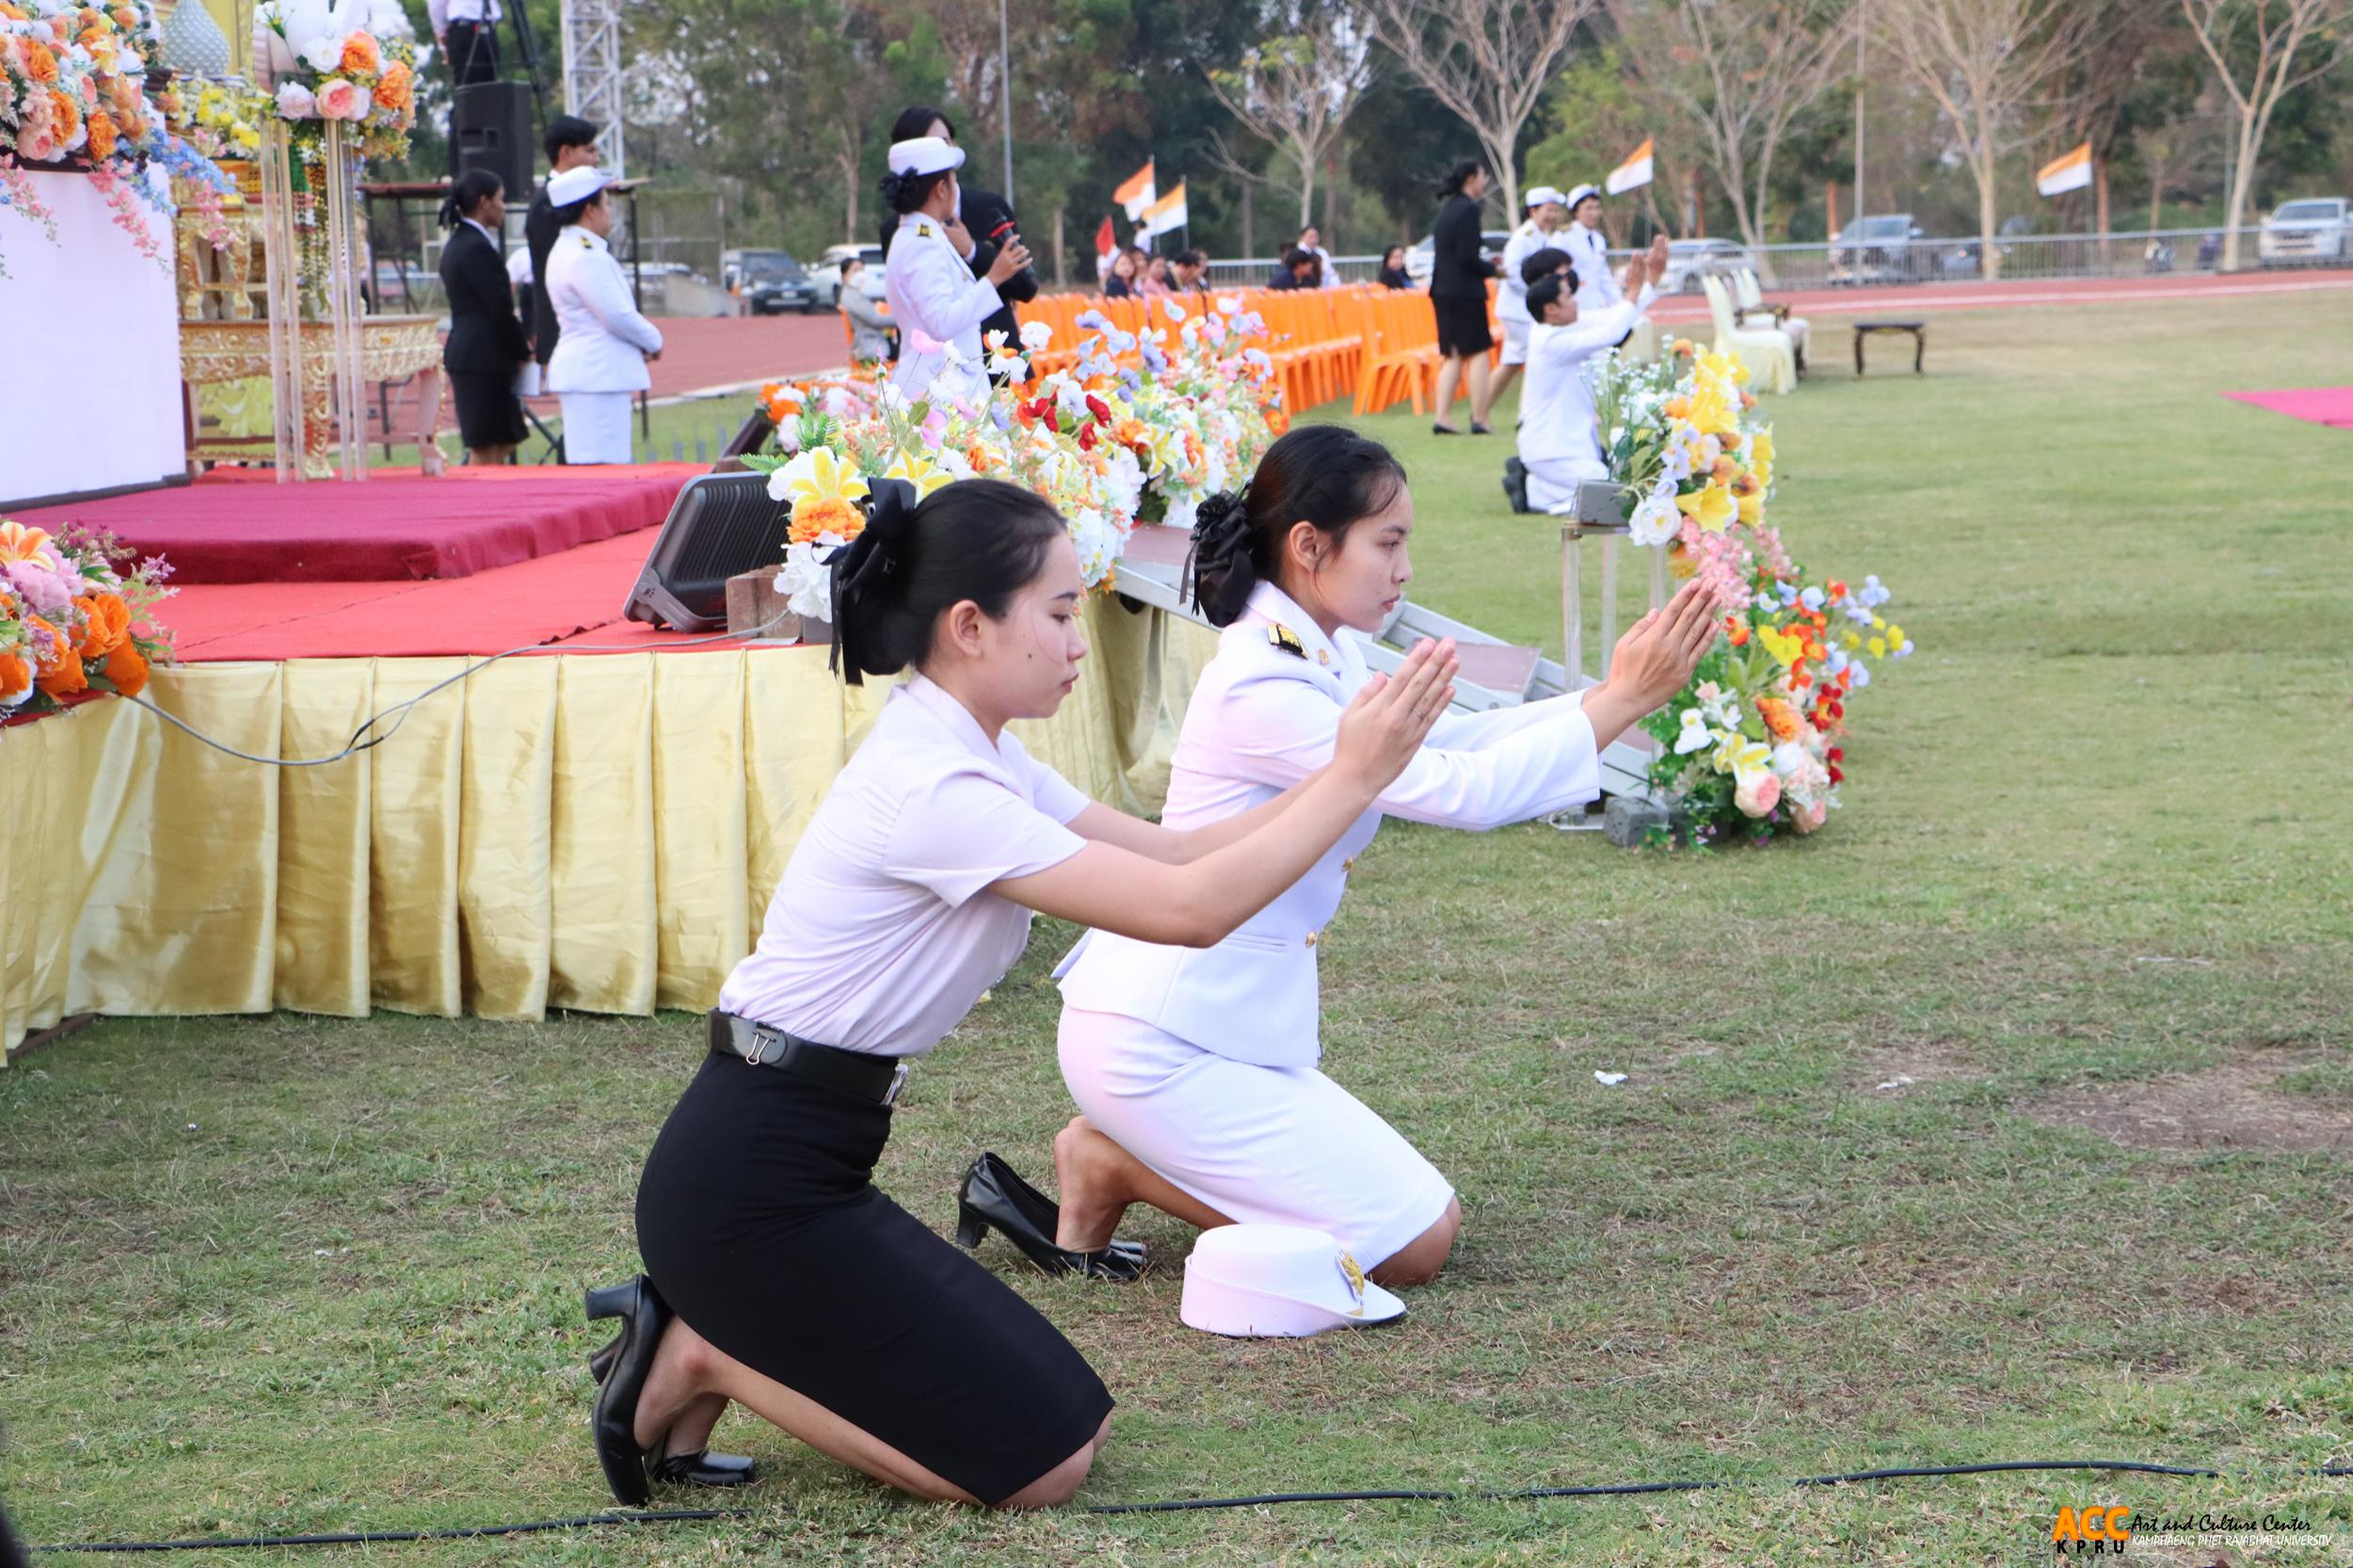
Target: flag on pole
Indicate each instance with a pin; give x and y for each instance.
(1166, 215)
(1634, 172)
(2069, 171)
(1105, 241)
(1135, 193)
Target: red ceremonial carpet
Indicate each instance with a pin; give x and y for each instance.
(2329, 405)
(242, 526)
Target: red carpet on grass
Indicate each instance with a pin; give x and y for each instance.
(231, 526)
(2329, 405)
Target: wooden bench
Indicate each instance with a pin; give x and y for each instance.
(1919, 331)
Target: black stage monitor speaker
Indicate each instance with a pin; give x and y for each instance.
(720, 526)
(491, 125)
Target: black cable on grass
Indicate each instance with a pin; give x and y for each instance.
(1182, 1505)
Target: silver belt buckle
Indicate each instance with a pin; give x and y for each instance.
(898, 1081)
(758, 1055)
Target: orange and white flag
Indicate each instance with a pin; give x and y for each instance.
(2069, 171)
(1167, 215)
(1634, 172)
(1135, 193)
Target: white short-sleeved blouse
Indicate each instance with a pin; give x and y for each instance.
(881, 937)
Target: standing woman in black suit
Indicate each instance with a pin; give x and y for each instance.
(1458, 271)
(486, 343)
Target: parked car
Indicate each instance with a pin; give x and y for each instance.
(769, 281)
(824, 279)
(2307, 232)
(1419, 257)
(1689, 260)
(1882, 248)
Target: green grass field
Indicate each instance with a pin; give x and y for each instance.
(2088, 910)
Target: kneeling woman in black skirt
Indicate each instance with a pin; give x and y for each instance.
(777, 1274)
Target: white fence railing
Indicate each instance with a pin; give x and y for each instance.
(2120, 253)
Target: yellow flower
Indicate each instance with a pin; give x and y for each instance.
(1761, 455)
(922, 475)
(1879, 623)
(1879, 647)
(1711, 408)
(1786, 646)
(1722, 364)
(1895, 636)
(1751, 507)
(1743, 758)
(1711, 506)
(1852, 642)
(817, 473)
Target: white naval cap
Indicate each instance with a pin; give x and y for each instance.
(1579, 193)
(566, 186)
(1269, 1281)
(1538, 195)
(925, 155)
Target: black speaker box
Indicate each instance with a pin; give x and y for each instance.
(720, 526)
(489, 127)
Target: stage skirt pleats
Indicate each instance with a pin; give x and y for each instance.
(573, 830)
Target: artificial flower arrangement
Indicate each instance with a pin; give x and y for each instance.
(1141, 428)
(75, 617)
(1751, 749)
(323, 65)
(210, 121)
(73, 95)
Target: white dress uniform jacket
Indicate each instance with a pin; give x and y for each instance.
(1558, 441)
(1263, 717)
(1512, 291)
(1598, 285)
(603, 340)
(933, 295)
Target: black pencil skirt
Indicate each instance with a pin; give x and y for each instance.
(760, 1226)
(488, 412)
(1462, 324)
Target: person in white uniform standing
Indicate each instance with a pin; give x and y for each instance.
(1201, 1063)
(777, 1274)
(605, 343)
(935, 300)
(1597, 286)
(1546, 214)
(1559, 445)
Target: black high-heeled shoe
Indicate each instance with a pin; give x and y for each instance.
(613, 1422)
(993, 1197)
(700, 1468)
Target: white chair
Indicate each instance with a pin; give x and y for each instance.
(1748, 299)
(1766, 350)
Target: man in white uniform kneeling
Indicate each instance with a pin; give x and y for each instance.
(1559, 445)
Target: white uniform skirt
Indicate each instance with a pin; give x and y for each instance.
(1279, 1145)
(595, 426)
(1515, 341)
(1552, 481)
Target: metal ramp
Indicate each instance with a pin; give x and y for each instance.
(1495, 673)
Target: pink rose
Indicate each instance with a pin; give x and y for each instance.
(296, 102)
(38, 144)
(339, 98)
(1758, 795)
(1808, 816)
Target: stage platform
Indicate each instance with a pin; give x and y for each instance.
(240, 525)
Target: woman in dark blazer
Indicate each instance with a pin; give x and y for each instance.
(486, 343)
(1458, 271)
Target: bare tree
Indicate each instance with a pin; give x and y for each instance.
(1223, 156)
(1296, 89)
(1742, 71)
(2254, 46)
(1490, 61)
(1984, 61)
(2176, 152)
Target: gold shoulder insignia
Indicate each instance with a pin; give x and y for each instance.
(923, 230)
(1288, 640)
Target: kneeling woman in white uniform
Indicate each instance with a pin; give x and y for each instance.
(777, 1274)
(1201, 1064)
(603, 343)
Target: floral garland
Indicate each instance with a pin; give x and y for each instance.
(75, 618)
(1750, 748)
(74, 87)
(1142, 428)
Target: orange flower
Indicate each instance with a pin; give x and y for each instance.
(15, 675)
(20, 543)
(1736, 632)
(67, 113)
(1675, 408)
(361, 58)
(101, 134)
(126, 667)
(1777, 717)
(396, 88)
(1277, 421)
(62, 674)
(126, 18)
(39, 61)
(825, 514)
(980, 458)
(106, 621)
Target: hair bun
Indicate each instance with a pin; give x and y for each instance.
(1218, 571)
(861, 568)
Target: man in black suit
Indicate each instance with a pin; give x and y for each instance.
(571, 143)
(984, 223)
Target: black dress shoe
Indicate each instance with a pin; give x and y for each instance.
(700, 1468)
(993, 1197)
(1480, 427)
(613, 1422)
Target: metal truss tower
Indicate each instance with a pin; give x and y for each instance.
(592, 73)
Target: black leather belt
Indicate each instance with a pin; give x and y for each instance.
(860, 1073)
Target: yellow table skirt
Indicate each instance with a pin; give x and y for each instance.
(590, 831)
